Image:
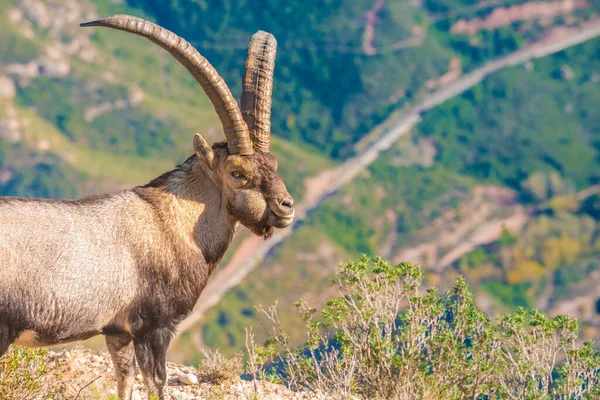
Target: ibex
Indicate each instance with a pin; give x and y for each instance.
(131, 265)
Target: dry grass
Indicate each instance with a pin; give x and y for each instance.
(216, 369)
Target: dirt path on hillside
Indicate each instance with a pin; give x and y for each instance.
(368, 40)
(253, 250)
(491, 210)
(369, 35)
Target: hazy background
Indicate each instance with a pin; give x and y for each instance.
(497, 183)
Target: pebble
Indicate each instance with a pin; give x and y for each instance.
(177, 395)
(187, 379)
(81, 360)
(182, 385)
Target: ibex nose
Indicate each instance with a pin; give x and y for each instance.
(286, 205)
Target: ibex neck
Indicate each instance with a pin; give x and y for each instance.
(190, 207)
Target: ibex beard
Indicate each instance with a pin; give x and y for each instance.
(131, 265)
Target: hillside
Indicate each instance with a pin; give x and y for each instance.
(465, 171)
(85, 111)
(486, 185)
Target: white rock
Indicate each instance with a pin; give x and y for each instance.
(80, 361)
(29, 70)
(88, 54)
(567, 72)
(136, 95)
(187, 379)
(15, 15)
(8, 89)
(27, 30)
(53, 68)
(136, 396)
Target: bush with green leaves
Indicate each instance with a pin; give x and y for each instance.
(385, 336)
(24, 373)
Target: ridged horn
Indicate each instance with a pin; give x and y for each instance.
(257, 87)
(234, 127)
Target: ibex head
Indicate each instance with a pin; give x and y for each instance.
(252, 190)
(243, 167)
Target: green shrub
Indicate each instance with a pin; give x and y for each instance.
(23, 374)
(387, 337)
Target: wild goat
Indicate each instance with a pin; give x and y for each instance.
(131, 265)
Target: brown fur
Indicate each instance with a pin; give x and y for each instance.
(131, 265)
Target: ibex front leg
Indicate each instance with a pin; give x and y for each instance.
(120, 348)
(151, 352)
(7, 337)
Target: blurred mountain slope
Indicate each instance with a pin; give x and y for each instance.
(89, 110)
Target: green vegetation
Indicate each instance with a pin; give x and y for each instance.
(384, 336)
(531, 128)
(560, 243)
(329, 91)
(23, 374)
(127, 145)
(48, 177)
(516, 123)
(379, 335)
(533, 131)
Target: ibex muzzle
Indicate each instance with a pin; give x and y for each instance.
(131, 265)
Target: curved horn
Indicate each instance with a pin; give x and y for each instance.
(257, 87)
(234, 127)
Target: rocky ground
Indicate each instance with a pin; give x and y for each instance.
(83, 374)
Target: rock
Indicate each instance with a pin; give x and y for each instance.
(53, 68)
(93, 112)
(187, 379)
(503, 16)
(136, 95)
(38, 13)
(8, 89)
(567, 72)
(529, 66)
(136, 396)
(15, 15)
(80, 362)
(29, 70)
(88, 54)
(5, 175)
(178, 395)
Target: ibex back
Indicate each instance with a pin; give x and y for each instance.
(132, 265)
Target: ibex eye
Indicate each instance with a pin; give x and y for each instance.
(237, 174)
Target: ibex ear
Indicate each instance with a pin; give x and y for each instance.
(204, 151)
